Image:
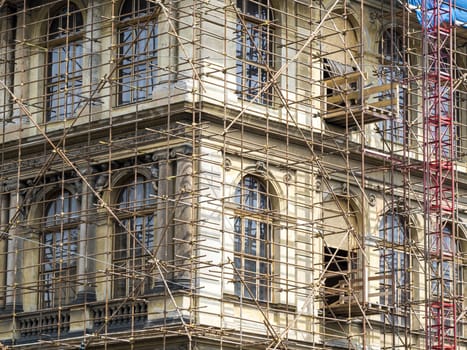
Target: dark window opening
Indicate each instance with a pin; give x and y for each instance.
(341, 267)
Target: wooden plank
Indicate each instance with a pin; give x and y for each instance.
(345, 78)
(355, 94)
(384, 103)
(338, 116)
(342, 111)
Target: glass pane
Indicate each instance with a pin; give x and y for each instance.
(136, 8)
(237, 236)
(138, 235)
(127, 9)
(250, 278)
(119, 282)
(264, 240)
(66, 20)
(48, 289)
(120, 243)
(238, 285)
(391, 229)
(137, 195)
(250, 265)
(250, 246)
(64, 81)
(263, 281)
(149, 232)
(250, 228)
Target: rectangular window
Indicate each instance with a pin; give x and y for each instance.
(255, 52)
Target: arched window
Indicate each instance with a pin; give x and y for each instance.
(340, 222)
(134, 237)
(393, 71)
(64, 65)
(340, 31)
(59, 251)
(253, 240)
(392, 44)
(394, 264)
(255, 50)
(137, 55)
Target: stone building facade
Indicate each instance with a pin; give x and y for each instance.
(217, 174)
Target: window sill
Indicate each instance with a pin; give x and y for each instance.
(274, 105)
(280, 307)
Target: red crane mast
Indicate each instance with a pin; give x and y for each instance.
(439, 174)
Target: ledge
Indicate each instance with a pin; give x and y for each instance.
(280, 307)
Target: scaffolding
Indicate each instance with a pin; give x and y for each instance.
(231, 174)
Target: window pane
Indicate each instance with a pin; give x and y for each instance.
(250, 277)
(65, 81)
(263, 282)
(64, 21)
(119, 282)
(238, 284)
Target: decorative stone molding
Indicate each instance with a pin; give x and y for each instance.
(260, 168)
(318, 185)
(374, 16)
(344, 188)
(227, 164)
(154, 171)
(185, 150)
(102, 182)
(13, 184)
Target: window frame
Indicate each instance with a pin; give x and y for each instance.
(244, 36)
(69, 51)
(392, 255)
(136, 25)
(259, 215)
(393, 40)
(60, 225)
(123, 228)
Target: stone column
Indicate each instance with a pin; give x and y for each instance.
(163, 242)
(86, 248)
(7, 61)
(13, 300)
(4, 217)
(183, 216)
(92, 58)
(7, 324)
